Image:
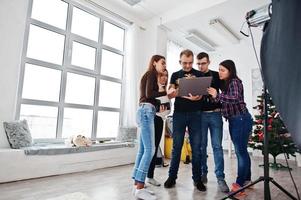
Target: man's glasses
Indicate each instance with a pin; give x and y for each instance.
(186, 63)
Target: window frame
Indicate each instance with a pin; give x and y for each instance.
(67, 67)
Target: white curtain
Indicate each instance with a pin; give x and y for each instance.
(131, 79)
(173, 57)
(172, 61)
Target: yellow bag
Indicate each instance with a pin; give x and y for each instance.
(186, 149)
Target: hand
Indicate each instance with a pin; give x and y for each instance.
(212, 91)
(193, 98)
(172, 93)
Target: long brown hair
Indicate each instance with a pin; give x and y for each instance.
(155, 58)
(230, 65)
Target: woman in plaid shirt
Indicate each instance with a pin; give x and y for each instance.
(240, 121)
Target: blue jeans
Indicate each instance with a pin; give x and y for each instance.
(181, 120)
(240, 128)
(145, 120)
(158, 134)
(214, 122)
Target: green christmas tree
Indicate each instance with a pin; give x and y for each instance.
(280, 140)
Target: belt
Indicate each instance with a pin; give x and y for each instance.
(210, 111)
(146, 103)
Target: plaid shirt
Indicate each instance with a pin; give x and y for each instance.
(232, 100)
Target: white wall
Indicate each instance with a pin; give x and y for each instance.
(153, 40)
(12, 26)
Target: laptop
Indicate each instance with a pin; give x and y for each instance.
(195, 86)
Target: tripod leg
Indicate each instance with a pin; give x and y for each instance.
(282, 189)
(231, 195)
(261, 178)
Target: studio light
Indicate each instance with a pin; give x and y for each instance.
(259, 16)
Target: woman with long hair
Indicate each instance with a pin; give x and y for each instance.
(240, 121)
(149, 91)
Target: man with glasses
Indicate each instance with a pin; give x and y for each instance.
(187, 113)
(212, 120)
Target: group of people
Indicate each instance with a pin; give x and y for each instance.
(197, 114)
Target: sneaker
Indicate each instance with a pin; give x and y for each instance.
(236, 187)
(170, 182)
(204, 178)
(222, 185)
(200, 186)
(144, 194)
(153, 182)
(165, 164)
(149, 191)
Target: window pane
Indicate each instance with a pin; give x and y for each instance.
(79, 89)
(42, 120)
(111, 64)
(53, 12)
(83, 55)
(113, 36)
(85, 24)
(45, 45)
(41, 83)
(109, 94)
(77, 122)
(108, 124)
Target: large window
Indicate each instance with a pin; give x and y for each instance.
(72, 70)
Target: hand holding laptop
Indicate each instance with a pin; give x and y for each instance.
(193, 98)
(212, 91)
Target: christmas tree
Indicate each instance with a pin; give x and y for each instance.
(280, 140)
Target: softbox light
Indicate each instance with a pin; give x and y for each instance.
(281, 62)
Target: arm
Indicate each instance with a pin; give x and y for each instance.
(232, 97)
(151, 89)
(172, 91)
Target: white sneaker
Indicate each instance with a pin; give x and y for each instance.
(149, 191)
(153, 181)
(144, 194)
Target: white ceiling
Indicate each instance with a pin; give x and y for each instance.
(232, 14)
(148, 9)
(184, 16)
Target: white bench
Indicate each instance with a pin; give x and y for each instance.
(15, 165)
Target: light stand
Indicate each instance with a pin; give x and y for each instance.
(258, 19)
